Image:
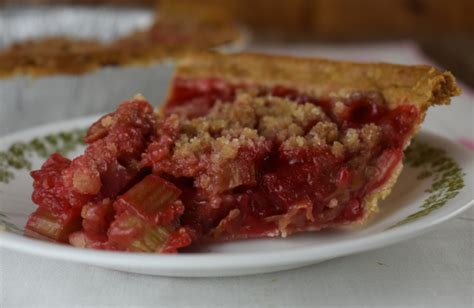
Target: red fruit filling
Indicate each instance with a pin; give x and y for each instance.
(224, 161)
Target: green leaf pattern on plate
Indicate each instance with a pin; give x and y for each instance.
(447, 182)
(19, 155)
(5, 224)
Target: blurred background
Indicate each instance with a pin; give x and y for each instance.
(77, 48)
(443, 29)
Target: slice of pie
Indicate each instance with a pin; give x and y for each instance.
(245, 146)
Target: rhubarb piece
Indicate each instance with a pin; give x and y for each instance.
(149, 198)
(81, 240)
(97, 217)
(54, 226)
(132, 233)
(180, 238)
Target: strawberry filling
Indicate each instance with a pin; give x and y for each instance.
(225, 161)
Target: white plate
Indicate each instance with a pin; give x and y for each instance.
(390, 225)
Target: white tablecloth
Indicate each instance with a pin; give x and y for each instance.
(433, 270)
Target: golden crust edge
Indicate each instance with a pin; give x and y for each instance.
(420, 85)
(371, 202)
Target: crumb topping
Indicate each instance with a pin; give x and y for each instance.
(239, 134)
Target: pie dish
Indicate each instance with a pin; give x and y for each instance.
(245, 146)
(169, 35)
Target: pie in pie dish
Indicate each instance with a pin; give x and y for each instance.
(245, 146)
(173, 32)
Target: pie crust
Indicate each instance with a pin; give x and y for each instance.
(420, 85)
